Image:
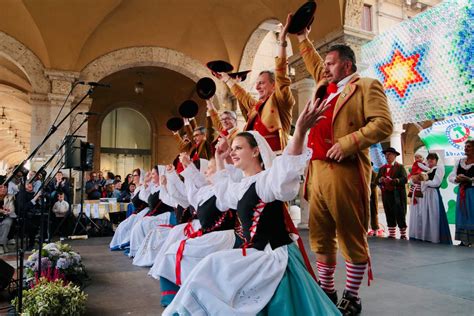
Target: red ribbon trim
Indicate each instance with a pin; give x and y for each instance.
(163, 293)
(190, 233)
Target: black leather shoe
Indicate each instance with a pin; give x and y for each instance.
(350, 305)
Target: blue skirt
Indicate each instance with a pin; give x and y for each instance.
(444, 232)
(465, 217)
(298, 293)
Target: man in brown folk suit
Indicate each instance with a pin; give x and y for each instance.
(339, 173)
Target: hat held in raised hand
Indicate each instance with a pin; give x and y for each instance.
(175, 124)
(188, 109)
(205, 88)
(302, 18)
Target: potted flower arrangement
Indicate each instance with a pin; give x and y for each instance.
(53, 298)
(58, 261)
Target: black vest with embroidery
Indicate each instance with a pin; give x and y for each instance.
(271, 226)
(138, 204)
(157, 206)
(212, 219)
(467, 172)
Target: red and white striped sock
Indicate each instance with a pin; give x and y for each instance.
(403, 233)
(392, 232)
(326, 276)
(354, 274)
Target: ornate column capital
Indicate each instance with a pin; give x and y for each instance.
(61, 83)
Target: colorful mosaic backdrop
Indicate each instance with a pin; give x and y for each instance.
(426, 64)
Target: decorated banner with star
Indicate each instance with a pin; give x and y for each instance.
(426, 64)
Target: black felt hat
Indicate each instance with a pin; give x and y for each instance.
(302, 18)
(205, 88)
(390, 150)
(188, 109)
(219, 66)
(175, 124)
(241, 74)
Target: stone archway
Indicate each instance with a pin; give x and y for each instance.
(149, 56)
(25, 60)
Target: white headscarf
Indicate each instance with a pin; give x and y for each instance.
(266, 152)
(142, 178)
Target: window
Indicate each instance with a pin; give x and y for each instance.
(125, 142)
(367, 18)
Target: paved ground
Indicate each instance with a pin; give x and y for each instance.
(411, 278)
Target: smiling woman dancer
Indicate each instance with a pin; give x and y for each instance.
(266, 276)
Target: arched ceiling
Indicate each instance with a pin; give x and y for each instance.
(68, 35)
(18, 113)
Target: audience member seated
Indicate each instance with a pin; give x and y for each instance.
(7, 215)
(126, 195)
(117, 189)
(59, 184)
(93, 187)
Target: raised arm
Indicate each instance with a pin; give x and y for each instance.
(214, 115)
(245, 99)
(282, 79)
(312, 60)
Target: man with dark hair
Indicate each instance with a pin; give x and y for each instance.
(392, 178)
(202, 147)
(338, 180)
(270, 115)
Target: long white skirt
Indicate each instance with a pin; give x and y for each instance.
(227, 283)
(122, 233)
(195, 250)
(424, 217)
(142, 227)
(151, 246)
(175, 235)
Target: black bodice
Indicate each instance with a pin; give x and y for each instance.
(138, 204)
(157, 206)
(271, 226)
(184, 215)
(212, 219)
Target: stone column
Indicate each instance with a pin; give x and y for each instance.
(305, 90)
(396, 140)
(45, 109)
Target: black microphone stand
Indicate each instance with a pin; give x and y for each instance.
(45, 199)
(21, 219)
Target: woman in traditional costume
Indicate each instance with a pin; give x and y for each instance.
(463, 174)
(428, 220)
